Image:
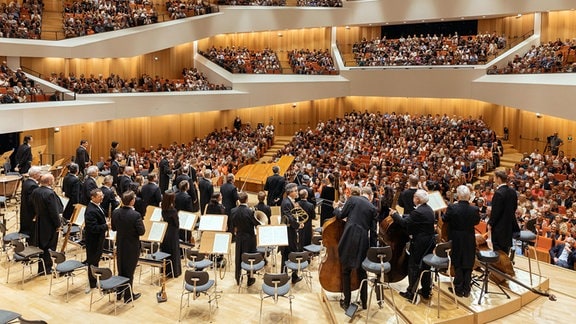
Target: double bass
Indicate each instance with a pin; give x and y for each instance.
(330, 269)
(393, 235)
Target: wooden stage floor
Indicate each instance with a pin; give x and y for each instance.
(309, 305)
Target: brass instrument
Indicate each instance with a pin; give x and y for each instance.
(261, 217)
(299, 214)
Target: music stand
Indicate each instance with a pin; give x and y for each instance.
(187, 221)
(272, 236)
(436, 202)
(215, 244)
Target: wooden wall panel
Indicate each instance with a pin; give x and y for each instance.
(559, 24)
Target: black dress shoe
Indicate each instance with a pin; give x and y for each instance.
(424, 295)
(344, 305)
(251, 281)
(134, 297)
(296, 279)
(408, 295)
(119, 296)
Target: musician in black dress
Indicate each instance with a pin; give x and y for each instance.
(171, 242)
(215, 206)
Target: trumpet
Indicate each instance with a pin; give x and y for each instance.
(299, 214)
(261, 217)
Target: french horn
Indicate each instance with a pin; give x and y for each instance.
(299, 214)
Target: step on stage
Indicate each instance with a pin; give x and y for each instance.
(493, 306)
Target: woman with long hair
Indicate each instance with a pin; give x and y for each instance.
(171, 244)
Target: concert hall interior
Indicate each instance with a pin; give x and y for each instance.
(368, 124)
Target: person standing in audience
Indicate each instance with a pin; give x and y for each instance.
(48, 208)
(71, 187)
(171, 242)
(82, 157)
(96, 227)
(275, 186)
(113, 150)
(461, 218)
(206, 189)
(244, 224)
(358, 236)
(23, 157)
(419, 224)
(27, 205)
(165, 171)
(129, 227)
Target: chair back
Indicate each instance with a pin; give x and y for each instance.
(379, 254)
(194, 255)
(442, 249)
(252, 258)
(276, 279)
(58, 257)
(299, 257)
(101, 273)
(317, 239)
(196, 278)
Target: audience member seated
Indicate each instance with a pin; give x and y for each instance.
(319, 3)
(181, 9)
(311, 62)
(87, 17)
(272, 3)
(21, 20)
(551, 57)
(428, 50)
(243, 60)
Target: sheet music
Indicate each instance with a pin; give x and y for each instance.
(80, 219)
(156, 215)
(157, 231)
(221, 243)
(435, 201)
(187, 220)
(272, 235)
(212, 223)
(64, 201)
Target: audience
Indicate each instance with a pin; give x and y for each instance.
(21, 20)
(181, 9)
(242, 60)
(273, 3)
(311, 62)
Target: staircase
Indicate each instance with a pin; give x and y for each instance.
(279, 143)
(511, 156)
(52, 25)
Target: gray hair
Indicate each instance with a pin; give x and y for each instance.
(34, 171)
(422, 195)
(463, 192)
(92, 170)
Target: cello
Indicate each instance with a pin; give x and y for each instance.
(393, 235)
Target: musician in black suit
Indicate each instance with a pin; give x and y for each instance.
(183, 200)
(229, 194)
(261, 206)
(306, 185)
(82, 157)
(150, 192)
(48, 208)
(206, 189)
(244, 224)
(111, 200)
(23, 156)
(125, 179)
(115, 168)
(358, 236)
(293, 226)
(89, 184)
(96, 227)
(502, 223)
(275, 186)
(165, 171)
(405, 200)
(26, 204)
(420, 225)
(71, 187)
(461, 218)
(129, 227)
(305, 234)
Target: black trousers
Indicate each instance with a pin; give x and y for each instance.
(346, 290)
(462, 280)
(414, 271)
